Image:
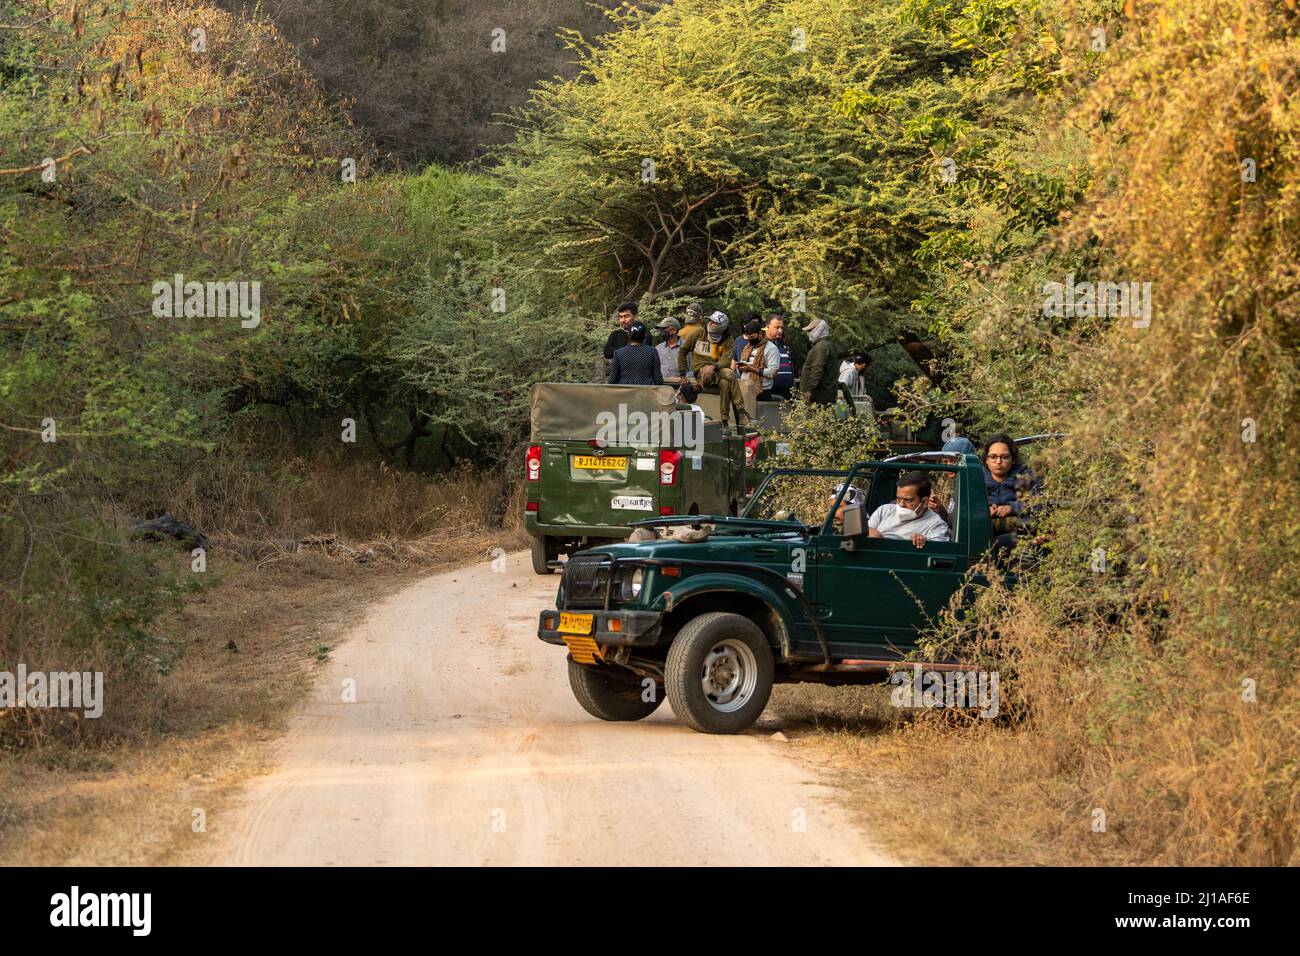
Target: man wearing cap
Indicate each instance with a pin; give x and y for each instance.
(670, 344)
(711, 360)
(690, 334)
(819, 381)
(635, 363)
(712, 350)
(757, 363)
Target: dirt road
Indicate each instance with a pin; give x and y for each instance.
(465, 746)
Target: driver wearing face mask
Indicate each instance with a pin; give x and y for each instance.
(909, 517)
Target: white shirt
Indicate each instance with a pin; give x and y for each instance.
(885, 520)
(850, 377)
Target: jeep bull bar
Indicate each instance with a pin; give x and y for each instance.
(642, 628)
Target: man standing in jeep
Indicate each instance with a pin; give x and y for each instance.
(783, 381)
(625, 315)
(819, 381)
(690, 334)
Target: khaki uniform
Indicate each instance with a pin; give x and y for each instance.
(704, 352)
(751, 383)
(689, 336)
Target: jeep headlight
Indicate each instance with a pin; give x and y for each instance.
(631, 589)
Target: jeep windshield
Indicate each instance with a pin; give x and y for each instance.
(804, 497)
(814, 498)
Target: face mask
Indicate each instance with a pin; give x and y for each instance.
(906, 514)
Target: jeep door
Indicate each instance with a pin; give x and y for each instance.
(875, 600)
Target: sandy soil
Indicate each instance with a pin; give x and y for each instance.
(465, 746)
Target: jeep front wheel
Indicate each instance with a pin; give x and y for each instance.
(611, 697)
(719, 673)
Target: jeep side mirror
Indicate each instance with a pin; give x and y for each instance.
(852, 521)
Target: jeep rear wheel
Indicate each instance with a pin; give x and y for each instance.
(541, 555)
(719, 673)
(611, 696)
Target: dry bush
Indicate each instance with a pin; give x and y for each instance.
(249, 499)
(1165, 691)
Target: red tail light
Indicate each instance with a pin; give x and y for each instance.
(533, 462)
(665, 510)
(751, 448)
(668, 462)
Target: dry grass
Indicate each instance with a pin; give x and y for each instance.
(931, 794)
(940, 792)
(253, 500)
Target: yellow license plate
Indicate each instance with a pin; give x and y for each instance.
(600, 462)
(576, 623)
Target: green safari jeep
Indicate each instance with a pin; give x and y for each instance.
(712, 612)
(601, 457)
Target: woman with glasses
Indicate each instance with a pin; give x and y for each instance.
(1008, 482)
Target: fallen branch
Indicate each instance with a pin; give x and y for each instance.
(19, 170)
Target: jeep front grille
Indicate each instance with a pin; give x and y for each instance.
(585, 580)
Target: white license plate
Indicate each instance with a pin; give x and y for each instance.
(632, 503)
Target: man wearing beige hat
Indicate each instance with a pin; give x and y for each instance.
(669, 347)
